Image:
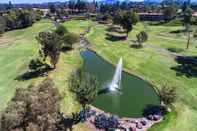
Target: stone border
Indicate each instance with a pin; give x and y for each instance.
(132, 124)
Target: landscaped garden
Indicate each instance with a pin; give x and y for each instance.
(155, 63)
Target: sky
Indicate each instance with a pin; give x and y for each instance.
(41, 1)
(36, 1)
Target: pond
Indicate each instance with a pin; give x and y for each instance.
(134, 96)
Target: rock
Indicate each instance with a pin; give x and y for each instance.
(150, 117)
(156, 117)
(143, 122)
(139, 125)
(132, 129)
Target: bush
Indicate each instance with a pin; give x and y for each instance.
(50, 46)
(35, 108)
(84, 86)
(106, 122)
(61, 30)
(2, 25)
(69, 39)
(195, 34)
(141, 38)
(167, 95)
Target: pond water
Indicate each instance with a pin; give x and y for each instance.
(134, 95)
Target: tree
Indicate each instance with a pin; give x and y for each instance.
(50, 46)
(142, 37)
(167, 95)
(2, 25)
(69, 39)
(81, 5)
(126, 22)
(135, 17)
(52, 8)
(61, 30)
(118, 17)
(35, 108)
(25, 18)
(71, 5)
(9, 6)
(84, 86)
(169, 13)
(187, 17)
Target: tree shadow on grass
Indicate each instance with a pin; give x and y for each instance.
(115, 29)
(33, 74)
(187, 66)
(135, 45)
(65, 49)
(175, 50)
(157, 23)
(114, 38)
(65, 123)
(178, 31)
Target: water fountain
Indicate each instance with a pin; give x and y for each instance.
(116, 81)
(127, 103)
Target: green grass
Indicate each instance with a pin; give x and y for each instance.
(154, 66)
(151, 64)
(166, 120)
(77, 26)
(15, 58)
(20, 47)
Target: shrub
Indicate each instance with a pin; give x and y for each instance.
(84, 86)
(61, 30)
(50, 46)
(142, 37)
(195, 34)
(106, 122)
(69, 39)
(167, 95)
(2, 25)
(35, 108)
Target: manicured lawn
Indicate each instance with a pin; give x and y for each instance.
(77, 26)
(14, 59)
(150, 63)
(20, 47)
(154, 66)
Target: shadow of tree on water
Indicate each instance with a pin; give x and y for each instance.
(187, 66)
(154, 110)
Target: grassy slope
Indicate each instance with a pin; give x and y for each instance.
(21, 46)
(155, 67)
(14, 59)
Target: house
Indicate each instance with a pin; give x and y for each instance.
(151, 16)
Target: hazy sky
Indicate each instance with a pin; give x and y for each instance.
(36, 1)
(41, 1)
